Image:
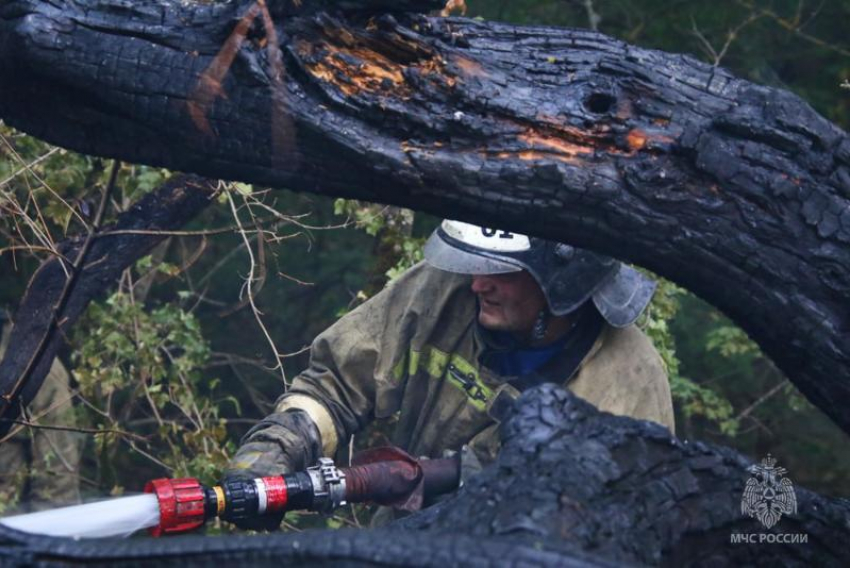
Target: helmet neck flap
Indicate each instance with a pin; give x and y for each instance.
(568, 276)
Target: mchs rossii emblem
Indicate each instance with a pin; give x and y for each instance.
(768, 494)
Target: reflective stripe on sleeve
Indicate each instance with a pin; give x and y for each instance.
(318, 414)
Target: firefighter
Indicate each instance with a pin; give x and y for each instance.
(40, 467)
(449, 344)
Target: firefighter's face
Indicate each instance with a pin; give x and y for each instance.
(508, 302)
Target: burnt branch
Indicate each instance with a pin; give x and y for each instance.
(10, 395)
(735, 191)
(169, 207)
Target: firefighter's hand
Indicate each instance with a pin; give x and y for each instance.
(280, 443)
(267, 522)
(259, 459)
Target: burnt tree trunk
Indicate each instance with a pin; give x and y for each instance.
(172, 205)
(740, 193)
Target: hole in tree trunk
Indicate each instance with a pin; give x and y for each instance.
(599, 103)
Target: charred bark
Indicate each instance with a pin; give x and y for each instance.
(167, 208)
(740, 193)
(571, 487)
(331, 549)
(631, 493)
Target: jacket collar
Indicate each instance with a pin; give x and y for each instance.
(583, 341)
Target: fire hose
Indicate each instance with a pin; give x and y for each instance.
(386, 476)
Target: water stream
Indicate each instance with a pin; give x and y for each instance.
(121, 516)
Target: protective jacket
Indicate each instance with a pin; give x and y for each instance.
(415, 351)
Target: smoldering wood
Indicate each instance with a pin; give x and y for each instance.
(736, 191)
(169, 207)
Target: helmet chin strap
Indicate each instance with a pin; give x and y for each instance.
(538, 332)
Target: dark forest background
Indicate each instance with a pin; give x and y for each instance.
(177, 353)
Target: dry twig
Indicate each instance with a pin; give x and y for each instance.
(250, 290)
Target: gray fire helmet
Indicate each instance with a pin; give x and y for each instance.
(567, 275)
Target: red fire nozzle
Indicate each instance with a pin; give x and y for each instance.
(181, 504)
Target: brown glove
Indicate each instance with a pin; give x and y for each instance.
(280, 443)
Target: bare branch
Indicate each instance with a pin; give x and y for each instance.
(793, 26)
(28, 168)
(37, 426)
(250, 291)
(717, 56)
(593, 18)
(772, 391)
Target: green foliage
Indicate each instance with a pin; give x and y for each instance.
(697, 400)
(693, 399)
(410, 254)
(244, 189)
(11, 490)
(366, 216)
(731, 341)
(392, 227)
(55, 186)
(142, 370)
(136, 181)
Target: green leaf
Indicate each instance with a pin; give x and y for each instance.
(243, 188)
